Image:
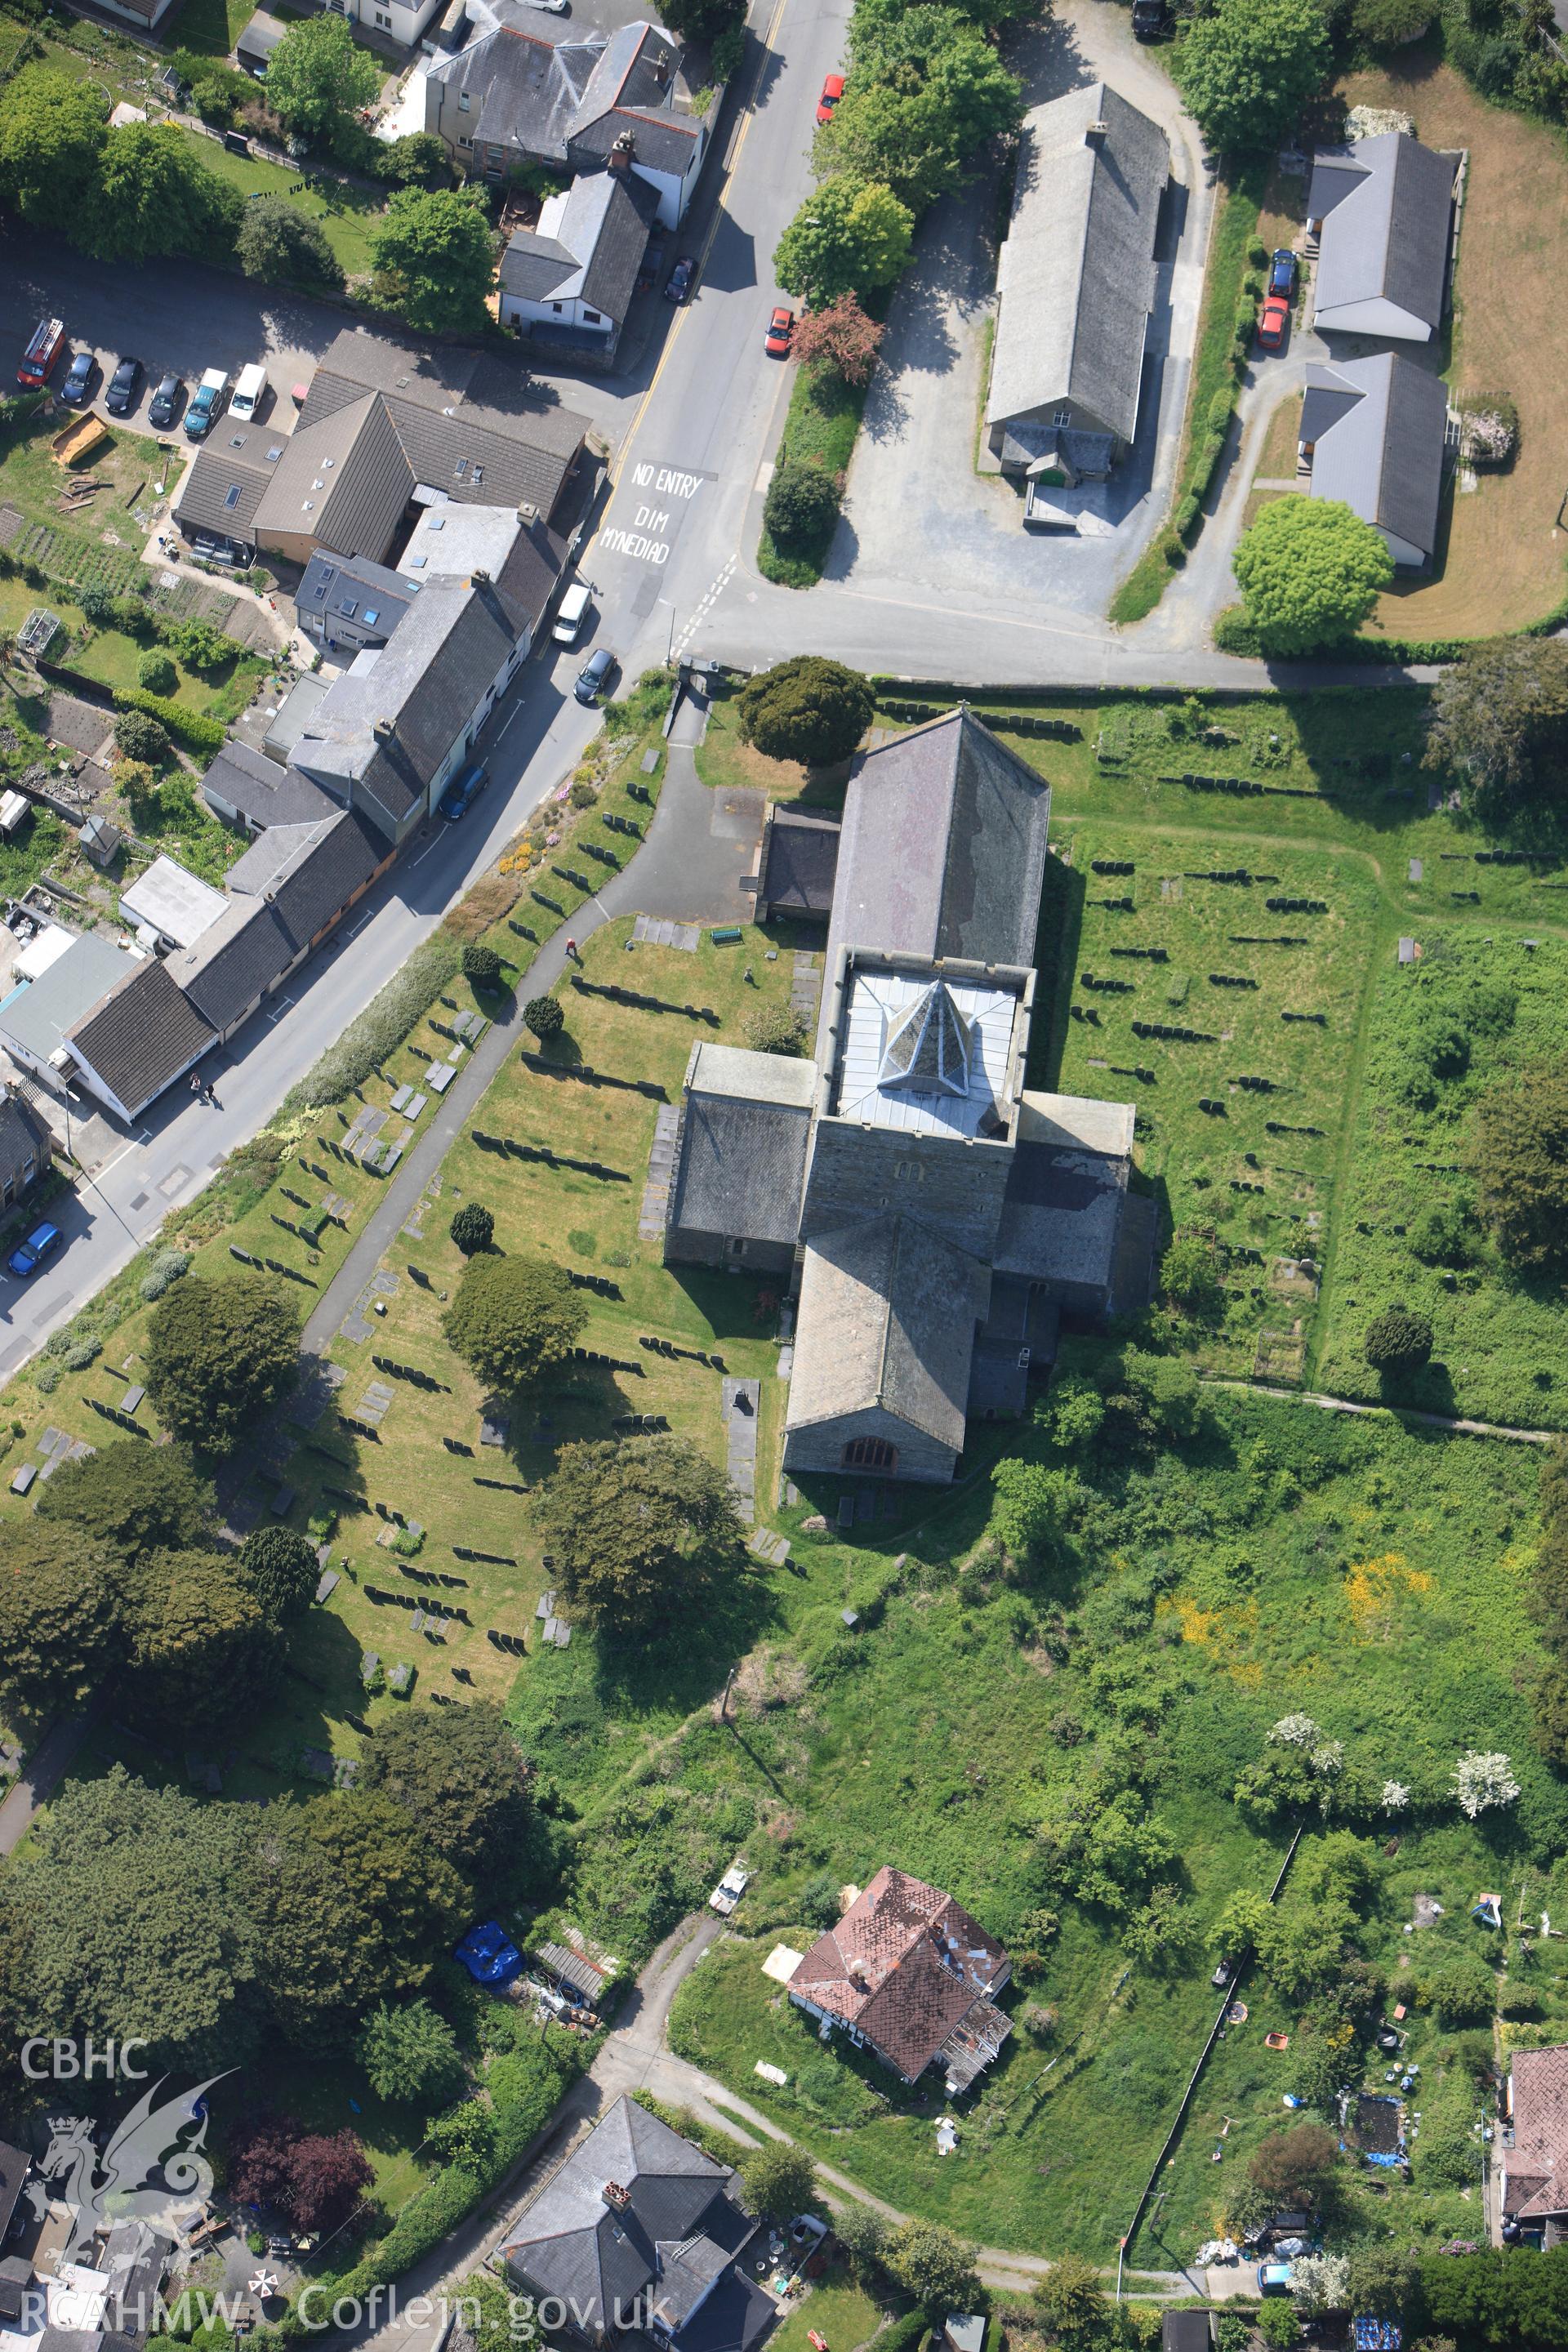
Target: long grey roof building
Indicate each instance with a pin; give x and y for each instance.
(1076, 282)
(1382, 211)
(1374, 431)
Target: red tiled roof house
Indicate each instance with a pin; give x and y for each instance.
(1535, 2166)
(907, 1973)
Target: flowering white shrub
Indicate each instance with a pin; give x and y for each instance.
(1328, 1757)
(1320, 2283)
(1483, 1777)
(1396, 1796)
(1296, 1731)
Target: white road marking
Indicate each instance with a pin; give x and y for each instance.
(704, 608)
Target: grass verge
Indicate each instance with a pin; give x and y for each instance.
(824, 418)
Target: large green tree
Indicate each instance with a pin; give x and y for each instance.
(1519, 1154)
(514, 1318)
(1249, 68)
(132, 1499)
(779, 2178)
(52, 130)
(1310, 571)
(1499, 722)
(59, 1614)
(935, 2266)
(282, 1571)
(219, 1356)
(317, 78)
(132, 1914)
(1071, 2300)
(434, 258)
(358, 1906)
(640, 1531)
(849, 237)
(462, 1775)
(156, 195)
(807, 709)
(278, 241)
(197, 1639)
(928, 96)
(410, 2053)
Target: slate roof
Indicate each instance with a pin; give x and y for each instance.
(174, 902)
(904, 1965)
(224, 489)
(234, 962)
(524, 560)
(1076, 275)
(944, 848)
(353, 589)
(1061, 1215)
(259, 37)
(524, 90)
(263, 793)
(15, 2279)
(745, 1126)
(570, 2242)
(308, 873)
(22, 1136)
(888, 1311)
(142, 1035)
(1536, 2165)
(1378, 427)
(466, 424)
(344, 479)
(427, 681)
(39, 1015)
(1386, 204)
(800, 860)
(588, 246)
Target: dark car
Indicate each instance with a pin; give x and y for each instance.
(594, 675)
(123, 388)
(28, 1255)
(76, 389)
(1282, 273)
(463, 792)
(681, 278)
(164, 404)
(1150, 19)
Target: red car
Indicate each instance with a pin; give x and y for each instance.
(832, 91)
(1273, 323)
(779, 334)
(44, 348)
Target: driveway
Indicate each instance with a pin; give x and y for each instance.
(916, 511)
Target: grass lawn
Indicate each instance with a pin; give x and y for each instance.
(1283, 1560)
(727, 763)
(820, 428)
(836, 2309)
(348, 214)
(1504, 566)
(209, 28)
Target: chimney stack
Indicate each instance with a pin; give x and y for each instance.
(527, 515)
(386, 730)
(617, 2197)
(1095, 134)
(621, 154)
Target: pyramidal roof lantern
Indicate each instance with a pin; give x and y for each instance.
(926, 1050)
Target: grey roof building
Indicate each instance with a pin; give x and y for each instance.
(309, 874)
(1076, 283)
(345, 603)
(231, 967)
(941, 1217)
(244, 788)
(35, 1016)
(138, 1039)
(1373, 431)
(215, 506)
(257, 42)
(25, 1147)
(579, 266)
(520, 556)
(1383, 212)
(639, 2229)
(798, 865)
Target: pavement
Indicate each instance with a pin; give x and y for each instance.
(41, 1776)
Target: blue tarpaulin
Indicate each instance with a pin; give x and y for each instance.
(489, 1954)
(1376, 2335)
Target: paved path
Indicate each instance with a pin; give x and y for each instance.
(1400, 1411)
(42, 1775)
(698, 848)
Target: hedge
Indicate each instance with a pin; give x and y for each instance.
(382, 1025)
(191, 728)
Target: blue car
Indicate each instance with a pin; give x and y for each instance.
(28, 1255)
(463, 792)
(1282, 273)
(489, 1954)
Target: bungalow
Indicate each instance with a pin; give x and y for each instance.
(1381, 210)
(908, 1974)
(1372, 434)
(1076, 283)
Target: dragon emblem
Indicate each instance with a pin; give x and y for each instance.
(150, 2175)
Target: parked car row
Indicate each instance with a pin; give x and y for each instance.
(244, 399)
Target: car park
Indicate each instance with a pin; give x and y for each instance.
(681, 278)
(832, 91)
(125, 388)
(573, 612)
(1282, 272)
(206, 404)
(28, 1255)
(43, 347)
(1274, 321)
(595, 676)
(77, 387)
(164, 406)
(463, 792)
(779, 334)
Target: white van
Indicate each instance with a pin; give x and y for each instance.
(569, 620)
(248, 393)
